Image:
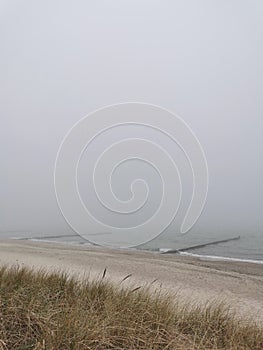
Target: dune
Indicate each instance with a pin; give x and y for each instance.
(238, 284)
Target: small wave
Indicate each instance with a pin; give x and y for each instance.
(221, 258)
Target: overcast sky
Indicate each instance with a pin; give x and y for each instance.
(60, 60)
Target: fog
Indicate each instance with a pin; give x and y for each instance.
(61, 60)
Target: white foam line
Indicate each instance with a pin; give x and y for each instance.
(222, 258)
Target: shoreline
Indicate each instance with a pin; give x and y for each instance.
(169, 251)
(239, 284)
(221, 258)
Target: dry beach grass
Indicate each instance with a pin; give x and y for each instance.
(40, 310)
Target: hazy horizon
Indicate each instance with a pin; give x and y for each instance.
(63, 60)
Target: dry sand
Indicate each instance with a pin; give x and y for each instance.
(239, 284)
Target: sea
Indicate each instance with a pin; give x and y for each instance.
(230, 247)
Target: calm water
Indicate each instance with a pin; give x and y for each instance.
(247, 247)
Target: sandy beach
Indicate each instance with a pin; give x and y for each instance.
(238, 284)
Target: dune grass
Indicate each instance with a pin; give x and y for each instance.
(40, 310)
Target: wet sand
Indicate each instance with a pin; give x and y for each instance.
(238, 284)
